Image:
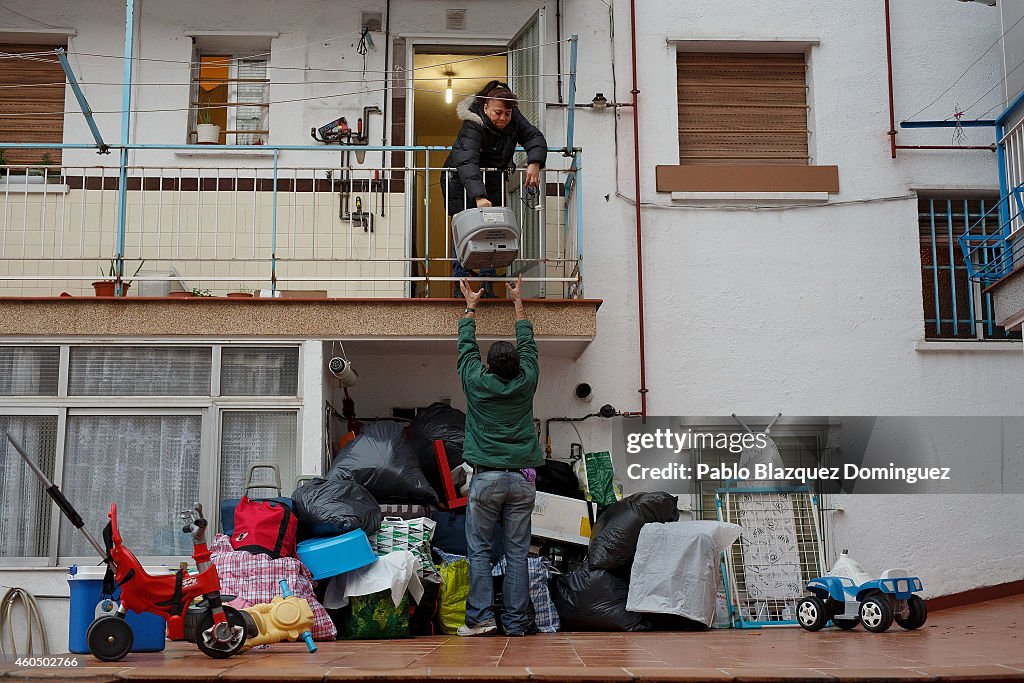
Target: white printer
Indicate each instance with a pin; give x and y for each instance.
(486, 238)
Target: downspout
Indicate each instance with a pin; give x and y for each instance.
(639, 230)
(558, 45)
(888, 57)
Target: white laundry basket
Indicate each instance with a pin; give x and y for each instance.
(485, 238)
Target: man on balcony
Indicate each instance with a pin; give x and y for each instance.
(503, 449)
(492, 126)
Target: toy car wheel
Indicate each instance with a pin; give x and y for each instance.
(876, 614)
(811, 614)
(109, 638)
(845, 624)
(917, 614)
(221, 649)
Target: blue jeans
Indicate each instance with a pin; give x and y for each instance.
(506, 497)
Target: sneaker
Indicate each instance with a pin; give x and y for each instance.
(482, 629)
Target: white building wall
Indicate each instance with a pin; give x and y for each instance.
(804, 310)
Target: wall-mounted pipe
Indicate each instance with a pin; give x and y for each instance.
(888, 58)
(639, 225)
(990, 148)
(920, 124)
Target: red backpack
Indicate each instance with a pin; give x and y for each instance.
(264, 526)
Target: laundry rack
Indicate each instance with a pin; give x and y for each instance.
(779, 550)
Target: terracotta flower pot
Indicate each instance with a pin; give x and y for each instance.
(239, 295)
(105, 288)
(180, 294)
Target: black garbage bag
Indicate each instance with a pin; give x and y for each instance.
(438, 421)
(616, 532)
(330, 507)
(382, 460)
(557, 477)
(594, 600)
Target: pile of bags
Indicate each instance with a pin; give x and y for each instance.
(593, 597)
(645, 570)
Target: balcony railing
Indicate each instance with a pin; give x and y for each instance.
(994, 251)
(356, 230)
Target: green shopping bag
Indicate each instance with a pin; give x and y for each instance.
(375, 616)
(597, 478)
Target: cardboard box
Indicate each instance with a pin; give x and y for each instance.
(561, 519)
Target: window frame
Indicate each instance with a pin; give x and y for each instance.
(210, 407)
(743, 180)
(961, 205)
(231, 102)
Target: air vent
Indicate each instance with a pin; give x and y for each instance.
(372, 20)
(455, 19)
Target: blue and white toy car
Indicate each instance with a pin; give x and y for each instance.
(875, 603)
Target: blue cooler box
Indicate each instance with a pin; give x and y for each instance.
(326, 557)
(86, 585)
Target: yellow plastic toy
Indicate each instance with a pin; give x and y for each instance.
(286, 617)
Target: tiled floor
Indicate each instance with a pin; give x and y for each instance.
(982, 642)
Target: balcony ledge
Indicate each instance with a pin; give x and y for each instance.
(428, 326)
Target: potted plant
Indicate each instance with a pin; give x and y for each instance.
(106, 288)
(207, 132)
(201, 292)
(240, 293)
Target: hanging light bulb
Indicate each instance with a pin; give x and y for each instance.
(448, 92)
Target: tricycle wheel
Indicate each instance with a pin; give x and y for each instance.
(876, 614)
(845, 624)
(917, 614)
(811, 614)
(109, 638)
(223, 648)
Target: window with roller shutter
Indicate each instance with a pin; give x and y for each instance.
(742, 108)
(31, 110)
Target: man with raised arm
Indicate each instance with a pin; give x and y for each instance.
(503, 449)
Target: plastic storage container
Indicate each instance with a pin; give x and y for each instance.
(486, 238)
(335, 555)
(86, 584)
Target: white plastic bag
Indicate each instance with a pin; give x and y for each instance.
(676, 570)
(395, 572)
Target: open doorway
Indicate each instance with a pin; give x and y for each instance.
(436, 123)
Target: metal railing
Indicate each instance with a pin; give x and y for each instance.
(348, 229)
(993, 254)
(993, 246)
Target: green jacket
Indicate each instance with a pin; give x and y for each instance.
(499, 412)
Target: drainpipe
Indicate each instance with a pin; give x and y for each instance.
(888, 57)
(639, 231)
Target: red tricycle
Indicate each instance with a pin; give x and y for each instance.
(220, 631)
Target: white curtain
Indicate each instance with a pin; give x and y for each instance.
(259, 371)
(251, 118)
(25, 522)
(29, 370)
(140, 371)
(254, 436)
(147, 464)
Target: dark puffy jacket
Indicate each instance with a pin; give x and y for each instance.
(481, 145)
